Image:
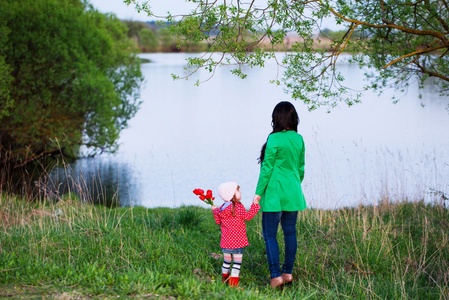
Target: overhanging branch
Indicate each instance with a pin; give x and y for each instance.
(419, 52)
(439, 35)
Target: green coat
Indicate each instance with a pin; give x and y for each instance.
(281, 173)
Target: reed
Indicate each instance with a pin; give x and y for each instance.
(70, 248)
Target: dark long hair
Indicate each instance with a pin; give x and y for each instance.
(284, 117)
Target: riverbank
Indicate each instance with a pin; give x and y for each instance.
(74, 250)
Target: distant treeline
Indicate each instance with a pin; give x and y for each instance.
(152, 36)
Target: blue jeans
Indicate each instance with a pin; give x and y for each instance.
(270, 224)
(232, 251)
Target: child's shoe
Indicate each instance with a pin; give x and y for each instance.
(225, 277)
(234, 281)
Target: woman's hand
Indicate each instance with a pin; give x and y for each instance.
(256, 199)
(213, 207)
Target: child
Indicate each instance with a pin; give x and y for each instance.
(232, 216)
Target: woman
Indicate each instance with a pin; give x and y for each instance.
(279, 189)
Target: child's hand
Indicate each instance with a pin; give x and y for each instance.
(256, 199)
(213, 207)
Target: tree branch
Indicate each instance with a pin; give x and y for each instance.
(434, 74)
(347, 37)
(437, 16)
(37, 156)
(418, 52)
(445, 4)
(440, 36)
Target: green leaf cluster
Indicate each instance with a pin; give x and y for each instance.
(404, 42)
(75, 79)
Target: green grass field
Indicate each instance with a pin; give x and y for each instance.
(73, 250)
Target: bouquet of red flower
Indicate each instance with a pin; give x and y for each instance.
(206, 198)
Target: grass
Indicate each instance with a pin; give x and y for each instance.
(74, 250)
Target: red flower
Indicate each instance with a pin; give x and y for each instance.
(206, 198)
(198, 192)
(209, 194)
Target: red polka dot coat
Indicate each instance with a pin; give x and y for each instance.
(233, 229)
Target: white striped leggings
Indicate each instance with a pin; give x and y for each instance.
(229, 258)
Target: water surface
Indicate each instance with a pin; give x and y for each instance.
(185, 137)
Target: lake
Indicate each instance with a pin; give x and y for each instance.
(186, 137)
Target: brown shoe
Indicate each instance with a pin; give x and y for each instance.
(277, 281)
(287, 278)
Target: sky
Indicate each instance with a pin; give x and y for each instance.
(160, 8)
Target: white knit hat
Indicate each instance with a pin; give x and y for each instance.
(227, 190)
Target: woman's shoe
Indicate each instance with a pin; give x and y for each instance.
(277, 281)
(225, 278)
(287, 277)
